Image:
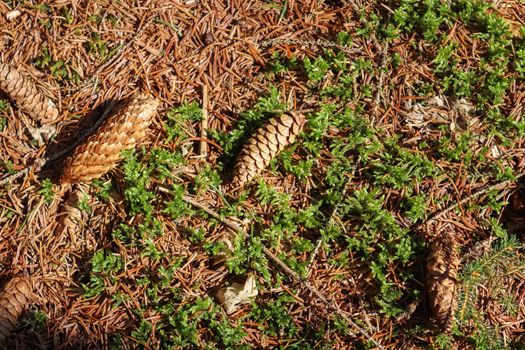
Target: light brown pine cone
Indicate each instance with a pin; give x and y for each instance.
(24, 93)
(71, 219)
(264, 145)
(14, 298)
(101, 151)
(442, 271)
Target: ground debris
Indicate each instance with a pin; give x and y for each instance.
(439, 110)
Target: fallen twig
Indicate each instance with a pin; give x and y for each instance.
(203, 148)
(292, 274)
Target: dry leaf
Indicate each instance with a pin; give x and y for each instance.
(261, 148)
(101, 151)
(237, 294)
(14, 297)
(11, 15)
(24, 93)
(442, 270)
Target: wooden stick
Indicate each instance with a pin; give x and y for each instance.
(203, 149)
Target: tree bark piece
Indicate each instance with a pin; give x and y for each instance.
(267, 142)
(101, 151)
(14, 298)
(24, 93)
(442, 271)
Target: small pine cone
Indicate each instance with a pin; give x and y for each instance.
(442, 271)
(101, 151)
(261, 148)
(71, 219)
(14, 297)
(24, 93)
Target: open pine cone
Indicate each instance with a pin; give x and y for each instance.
(442, 271)
(264, 145)
(71, 219)
(101, 151)
(24, 93)
(14, 298)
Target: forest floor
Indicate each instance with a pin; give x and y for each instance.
(415, 132)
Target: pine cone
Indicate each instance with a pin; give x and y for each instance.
(442, 271)
(101, 151)
(261, 148)
(70, 220)
(24, 93)
(14, 297)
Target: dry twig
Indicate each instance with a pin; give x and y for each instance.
(437, 215)
(203, 148)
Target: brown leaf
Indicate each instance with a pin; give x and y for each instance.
(24, 93)
(101, 151)
(14, 298)
(442, 270)
(264, 145)
(237, 294)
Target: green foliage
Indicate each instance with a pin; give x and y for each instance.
(47, 191)
(400, 168)
(137, 176)
(59, 69)
(490, 272)
(104, 266)
(83, 204)
(4, 106)
(317, 69)
(103, 188)
(35, 321)
(177, 120)
(97, 47)
(275, 319)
